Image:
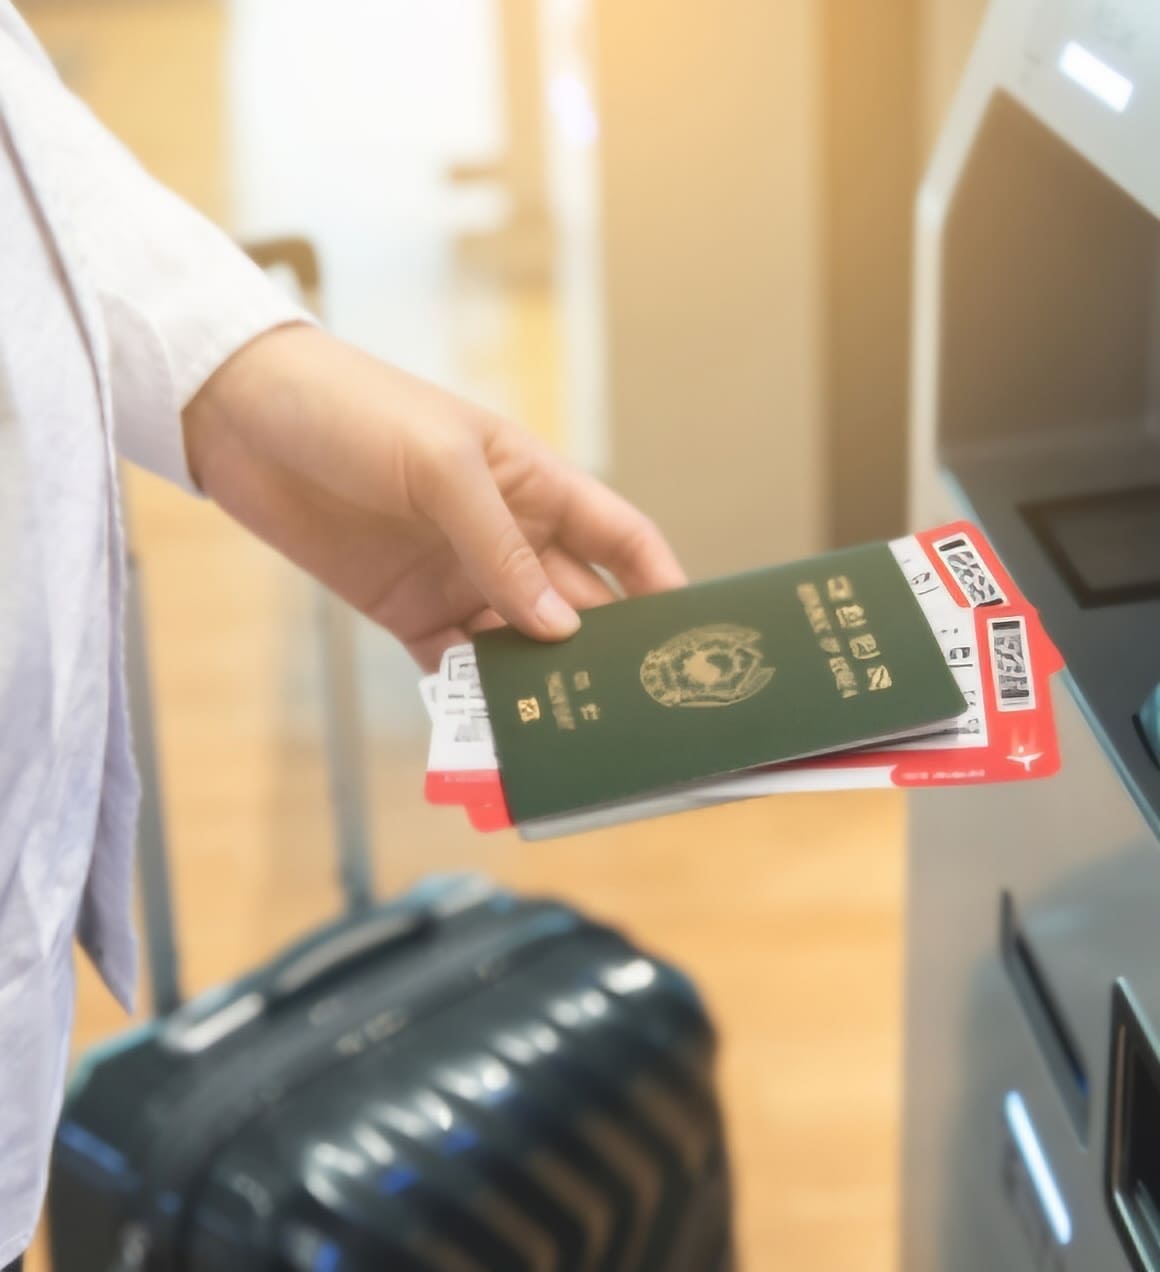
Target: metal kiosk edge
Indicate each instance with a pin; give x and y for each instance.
(1032, 1082)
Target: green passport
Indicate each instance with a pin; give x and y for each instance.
(772, 665)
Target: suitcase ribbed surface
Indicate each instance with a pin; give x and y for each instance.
(548, 1105)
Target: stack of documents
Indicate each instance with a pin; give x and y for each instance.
(910, 663)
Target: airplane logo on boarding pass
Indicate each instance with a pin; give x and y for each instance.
(1026, 758)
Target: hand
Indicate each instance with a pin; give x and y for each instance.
(432, 516)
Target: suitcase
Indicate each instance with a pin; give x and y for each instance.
(458, 1080)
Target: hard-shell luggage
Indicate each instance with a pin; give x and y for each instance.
(459, 1080)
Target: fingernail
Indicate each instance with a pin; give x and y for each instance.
(555, 615)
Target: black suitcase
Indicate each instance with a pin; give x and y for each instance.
(461, 1080)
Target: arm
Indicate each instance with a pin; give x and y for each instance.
(174, 298)
(432, 516)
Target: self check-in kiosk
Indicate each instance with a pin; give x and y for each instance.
(1032, 1096)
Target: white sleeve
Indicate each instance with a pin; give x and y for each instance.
(176, 295)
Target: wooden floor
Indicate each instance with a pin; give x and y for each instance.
(786, 911)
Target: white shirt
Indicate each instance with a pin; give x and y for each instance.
(117, 302)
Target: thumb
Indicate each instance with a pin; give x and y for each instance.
(495, 553)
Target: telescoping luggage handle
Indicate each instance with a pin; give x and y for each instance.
(343, 730)
(346, 779)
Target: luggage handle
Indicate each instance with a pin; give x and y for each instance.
(207, 1020)
(335, 622)
(340, 705)
(344, 738)
(303, 969)
(412, 916)
(347, 795)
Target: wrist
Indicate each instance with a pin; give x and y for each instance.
(249, 383)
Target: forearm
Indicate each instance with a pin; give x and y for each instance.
(283, 395)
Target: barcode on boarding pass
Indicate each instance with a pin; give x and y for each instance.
(1011, 664)
(970, 572)
(460, 668)
(473, 729)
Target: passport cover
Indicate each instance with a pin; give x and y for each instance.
(771, 665)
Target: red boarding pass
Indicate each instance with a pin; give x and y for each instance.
(994, 643)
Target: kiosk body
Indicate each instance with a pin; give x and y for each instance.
(1032, 1085)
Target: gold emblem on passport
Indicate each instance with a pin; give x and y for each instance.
(529, 709)
(715, 666)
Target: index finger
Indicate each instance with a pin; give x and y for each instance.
(601, 526)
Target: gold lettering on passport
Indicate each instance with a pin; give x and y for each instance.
(844, 677)
(718, 665)
(840, 588)
(864, 646)
(590, 711)
(558, 697)
(811, 600)
(851, 616)
(581, 681)
(819, 620)
(830, 645)
(879, 677)
(529, 709)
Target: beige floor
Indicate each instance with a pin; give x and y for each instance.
(786, 911)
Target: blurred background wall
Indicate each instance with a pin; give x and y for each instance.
(758, 164)
(720, 195)
(673, 237)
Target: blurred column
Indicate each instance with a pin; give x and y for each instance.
(709, 260)
(872, 109)
(521, 247)
(891, 67)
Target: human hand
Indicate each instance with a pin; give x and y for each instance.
(432, 516)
